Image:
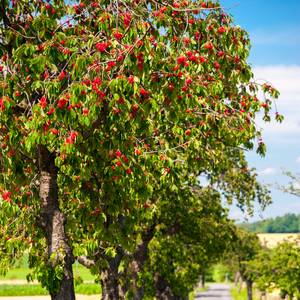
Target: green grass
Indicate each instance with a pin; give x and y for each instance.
(193, 294)
(34, 289)
(202, 290)
(22, 272)
(243, 295)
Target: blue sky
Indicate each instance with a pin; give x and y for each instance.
(274, 30)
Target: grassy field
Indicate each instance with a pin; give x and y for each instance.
(20, 273)
(34, 289)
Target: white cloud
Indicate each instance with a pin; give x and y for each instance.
(298, 160)
(295, 204)
(296, 186)
(267, 171)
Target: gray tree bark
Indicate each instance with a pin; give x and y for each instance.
(139, 257)
(109, 276)
(52, 221)
(241, 283)
(202, 281)
(162, 288)
(236, 279)
(249, 289)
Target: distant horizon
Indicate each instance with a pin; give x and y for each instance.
(262, 220)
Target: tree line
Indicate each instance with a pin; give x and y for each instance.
(288, 223)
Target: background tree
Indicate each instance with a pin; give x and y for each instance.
(181, 251)
(242, 252)
(278, 268)
(288, 223)
(173, 204)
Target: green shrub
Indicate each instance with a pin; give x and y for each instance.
(243, 295)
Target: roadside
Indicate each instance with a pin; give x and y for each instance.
(24, 282)
(78, 297)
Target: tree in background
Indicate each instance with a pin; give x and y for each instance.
(288, 223)
(97, 99)
(182, 250)
(174, 205)
(243, 251)
(279, 268)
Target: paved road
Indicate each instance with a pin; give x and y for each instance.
(216, 291)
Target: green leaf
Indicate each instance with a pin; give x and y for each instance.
(87, 121)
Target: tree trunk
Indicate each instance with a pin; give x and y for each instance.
(176, 297)
(139, 257)
(136, 265)
(283, 294)
(109, 276)
(52, 221)
(202, 281)
(125, 286)
(241, 283)
(261, 295)
(249, 289)
(162, 288)
(237, 277)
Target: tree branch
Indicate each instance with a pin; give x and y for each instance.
(101, 117)
(85, 261)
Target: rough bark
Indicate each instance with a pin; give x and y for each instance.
(85, 261)
(109, 276)
(180, 297)
(139, 257)
(136, 265)
(249, 289)
(241, 283)
(237, 277)
(202, 281)
(261, 295)
(52, 222)
(282, 294)
(125, 286)
(162, 288)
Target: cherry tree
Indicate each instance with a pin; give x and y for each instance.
(98, 98)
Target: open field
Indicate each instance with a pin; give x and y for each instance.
(272, 239)
(18, 275)
(36, 289)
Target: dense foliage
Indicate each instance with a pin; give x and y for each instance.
(279, 268)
